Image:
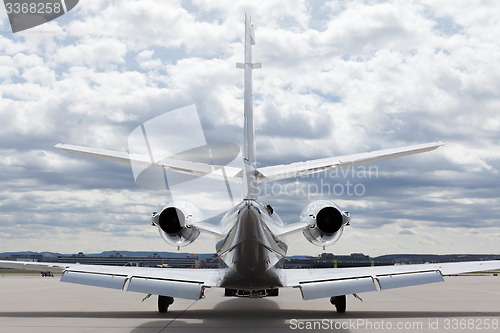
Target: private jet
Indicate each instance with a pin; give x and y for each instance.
(251, 235)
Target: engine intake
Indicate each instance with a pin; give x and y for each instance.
(326, 222)
(177, 223)
(329, 220)
(171, 220)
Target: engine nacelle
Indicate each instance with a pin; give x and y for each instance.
(326, 222)
(177, 223)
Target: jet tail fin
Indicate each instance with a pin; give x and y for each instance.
(249, 162)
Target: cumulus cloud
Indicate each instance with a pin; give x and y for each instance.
(338, 78)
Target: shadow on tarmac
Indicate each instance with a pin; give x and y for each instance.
(235, 315)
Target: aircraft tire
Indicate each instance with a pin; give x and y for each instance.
(164, 302)
(339, 302)
(229, 292)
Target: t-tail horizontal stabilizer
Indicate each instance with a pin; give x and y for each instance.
(284, 171)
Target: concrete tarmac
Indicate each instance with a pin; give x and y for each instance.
(36, 304)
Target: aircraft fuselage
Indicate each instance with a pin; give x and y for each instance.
(250, 249)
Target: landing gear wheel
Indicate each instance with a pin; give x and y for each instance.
(339, 302)
(164, 302)
(274, 292)
(229, 292)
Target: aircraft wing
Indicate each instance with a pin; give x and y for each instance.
(284, 171)
(328, 282)
(192, 168)
(175, 282)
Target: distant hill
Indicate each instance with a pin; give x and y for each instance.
(45, 254)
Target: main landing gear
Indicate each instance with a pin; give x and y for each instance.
(273, 292)
(229, 292)
(339, 302)
(164, 302)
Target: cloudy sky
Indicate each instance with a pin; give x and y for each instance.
(338, 77)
